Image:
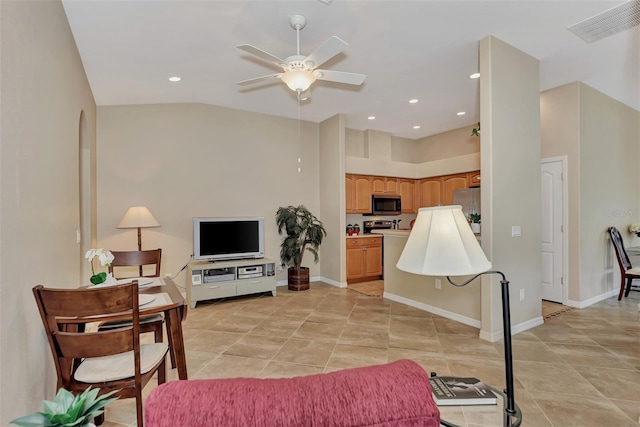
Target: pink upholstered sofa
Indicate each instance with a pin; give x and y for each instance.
(394, 394)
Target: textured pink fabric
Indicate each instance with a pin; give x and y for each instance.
(395, 394)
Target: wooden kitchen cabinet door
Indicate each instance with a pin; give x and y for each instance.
(384, 185)
(407, 191)
(373, 261)
(355, 262)
(430, 192)
(349, 194)
(362, 194)
(451, 183)
(474, 179)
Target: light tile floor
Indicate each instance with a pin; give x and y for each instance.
(581, 368)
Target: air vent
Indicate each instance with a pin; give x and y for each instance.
(609, 22)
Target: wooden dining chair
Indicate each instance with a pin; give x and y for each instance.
(138, 259)
(107, 360)
(124, 260)
(627, 272)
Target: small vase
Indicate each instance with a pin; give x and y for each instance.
(475, 227)
(110, 280)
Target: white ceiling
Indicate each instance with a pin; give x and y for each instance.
(408, 49)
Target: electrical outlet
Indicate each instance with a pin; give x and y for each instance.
(438, 284)
(521, 294)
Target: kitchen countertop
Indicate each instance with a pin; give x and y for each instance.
(392, 232)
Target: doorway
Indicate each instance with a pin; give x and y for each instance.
(553, 236)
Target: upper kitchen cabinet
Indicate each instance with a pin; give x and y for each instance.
(474, 179)
(349, 193)
(358, 193)
(430, 191)
(407, 191)
(384, 185)
(451, 183)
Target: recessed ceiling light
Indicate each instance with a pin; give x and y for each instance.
(474, 76)
(175, 79)
(461, 113)
(371, 117)
(413, 101)
(416, 127)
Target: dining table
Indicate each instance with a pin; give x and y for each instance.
(165, 297)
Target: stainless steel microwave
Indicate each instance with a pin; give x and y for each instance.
(385, 205)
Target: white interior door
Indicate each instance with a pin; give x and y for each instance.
(552, 231)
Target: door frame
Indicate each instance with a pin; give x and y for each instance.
(564, 160)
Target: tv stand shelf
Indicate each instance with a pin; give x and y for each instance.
(222, 279)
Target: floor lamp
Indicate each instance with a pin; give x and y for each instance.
(441, 243)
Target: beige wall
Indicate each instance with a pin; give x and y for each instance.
(458, 303)
(609, 191)
(510, 117)
(44, 91)
(189, 160)
(332, 200)
(600, 138)
(446, 153)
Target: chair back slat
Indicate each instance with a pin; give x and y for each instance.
(621, 253)
(137, 259)
(94, 344)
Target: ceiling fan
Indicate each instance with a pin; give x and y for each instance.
(299, 72)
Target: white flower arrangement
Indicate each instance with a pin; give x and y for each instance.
(105, 257)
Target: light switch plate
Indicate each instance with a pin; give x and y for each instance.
(516, 231)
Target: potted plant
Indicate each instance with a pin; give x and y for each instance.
(303, 232)
(69, 410)
(476, 131)
(474, 220)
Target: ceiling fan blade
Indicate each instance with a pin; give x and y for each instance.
(261, 54)
(340, 77)
(257, 79)
(326, 51)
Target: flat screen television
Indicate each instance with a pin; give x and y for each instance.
(228, 238)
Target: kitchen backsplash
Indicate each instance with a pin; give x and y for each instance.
(405, 219)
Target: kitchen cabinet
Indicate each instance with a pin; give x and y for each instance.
(384, 185)
(414, 193)
(364, 258)
(349, 193)
(407, 191)
(451, 183)
(358, 193)
(474, 179)
(430, 191)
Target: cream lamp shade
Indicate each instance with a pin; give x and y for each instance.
(441, 243)
(138, 217)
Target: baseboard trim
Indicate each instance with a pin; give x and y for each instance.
(591, 301)
(435, 310)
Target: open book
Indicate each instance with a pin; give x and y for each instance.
(461, 391)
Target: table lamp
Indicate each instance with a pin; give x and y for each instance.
(138, 217)
(441, 243)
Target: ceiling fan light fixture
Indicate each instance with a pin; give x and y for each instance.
(298, 80)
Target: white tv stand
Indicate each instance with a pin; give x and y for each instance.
(221, 279)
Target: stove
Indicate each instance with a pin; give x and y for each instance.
(379, 224)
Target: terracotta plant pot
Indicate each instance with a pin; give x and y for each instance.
(298, 279)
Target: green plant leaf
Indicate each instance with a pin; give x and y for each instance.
(32, 420)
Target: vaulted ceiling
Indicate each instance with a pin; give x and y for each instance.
(421, 50)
